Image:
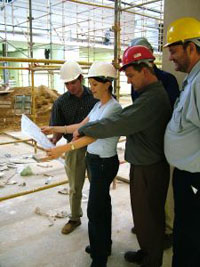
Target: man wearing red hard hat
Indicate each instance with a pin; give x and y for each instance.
(143, 123)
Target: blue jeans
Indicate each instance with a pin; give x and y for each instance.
(102, 171)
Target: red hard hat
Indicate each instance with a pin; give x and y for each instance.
(136, 54)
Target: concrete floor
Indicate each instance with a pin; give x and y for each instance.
(27, 240)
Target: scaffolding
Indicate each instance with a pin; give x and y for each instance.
(82, 29)
(86, 31)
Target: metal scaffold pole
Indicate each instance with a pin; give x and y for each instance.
(50, 73)
(117, 48)
(30, 29)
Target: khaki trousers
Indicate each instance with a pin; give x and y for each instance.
(75, 168)
(148, 189)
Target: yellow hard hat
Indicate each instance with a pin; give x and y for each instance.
(183, 29)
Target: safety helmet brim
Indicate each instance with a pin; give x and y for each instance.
(70, 80)
(147, 62)
(136, 55)
(102, 70)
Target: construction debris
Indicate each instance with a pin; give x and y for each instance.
(38, 211)
(7, 155)
(11, 182)
(3, 168)
(48, 180)
(27, 171)
(20, 101)
(11, 165)
(9, 178)
(22, 184)
(45, 165)
(64, 191)
(61, 214)
(52, 215)
(2, 184)
(2, 174)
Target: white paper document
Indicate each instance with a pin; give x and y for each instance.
(29, 128)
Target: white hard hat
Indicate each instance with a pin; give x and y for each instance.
(102, 69)
(70, 71)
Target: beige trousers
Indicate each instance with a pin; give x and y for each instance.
(75, 168)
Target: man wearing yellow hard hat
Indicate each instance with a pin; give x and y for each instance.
(182, 141)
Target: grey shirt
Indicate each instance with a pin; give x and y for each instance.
(143, 123)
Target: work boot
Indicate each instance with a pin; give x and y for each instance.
(135, 256)
(70, 226)
(99, 263)
(133, 231)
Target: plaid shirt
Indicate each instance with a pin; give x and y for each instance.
(69, 109)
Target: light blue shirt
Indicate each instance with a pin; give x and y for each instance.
(107, 147)
(182, 136)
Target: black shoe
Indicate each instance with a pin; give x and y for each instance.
(168, 241)
(135, 256)
(88, 250)
(133, 230)
(98, 263)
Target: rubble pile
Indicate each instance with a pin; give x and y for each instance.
(10, 113)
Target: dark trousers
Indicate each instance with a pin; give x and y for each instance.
(186, 249)
(148, 190)
(102, 171)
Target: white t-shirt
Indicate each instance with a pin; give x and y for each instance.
(106, 147)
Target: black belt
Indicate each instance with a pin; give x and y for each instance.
(94, 156)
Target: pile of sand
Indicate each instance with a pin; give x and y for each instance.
(10, 117)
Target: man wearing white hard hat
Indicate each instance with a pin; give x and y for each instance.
(70, 108)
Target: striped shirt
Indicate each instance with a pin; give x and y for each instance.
(69, 109)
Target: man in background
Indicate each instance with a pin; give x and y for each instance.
(168, 80)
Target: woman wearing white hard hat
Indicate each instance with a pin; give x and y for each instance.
(102, 162)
